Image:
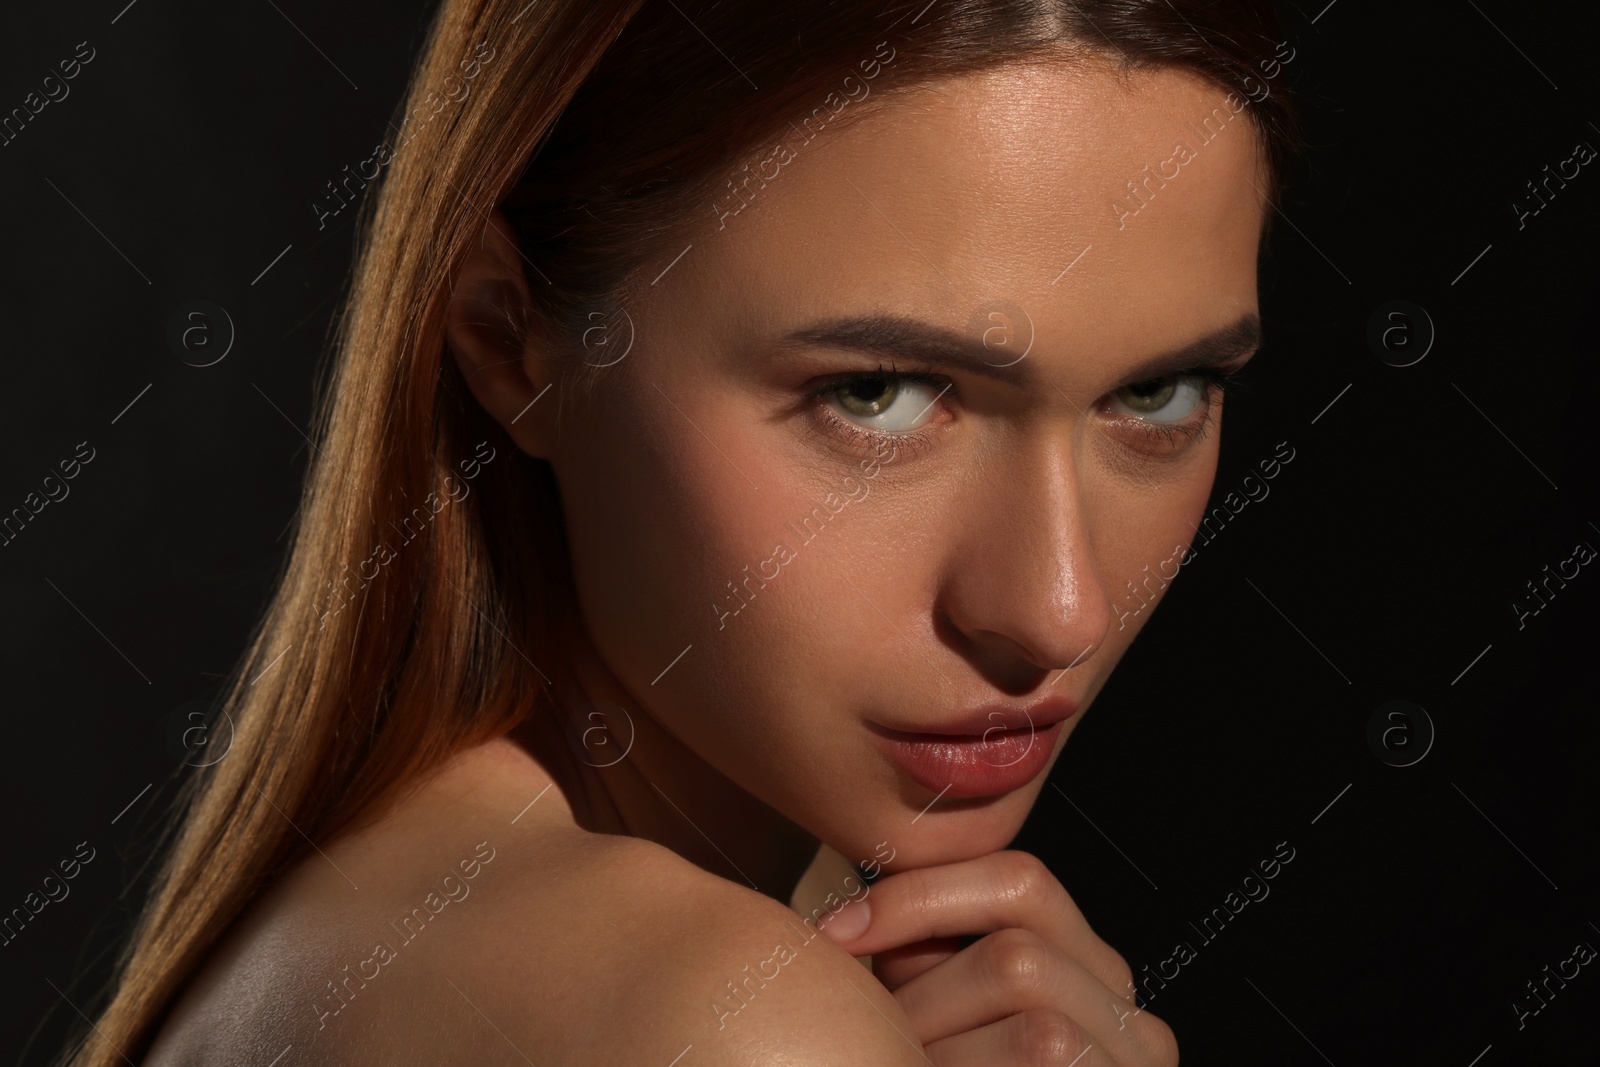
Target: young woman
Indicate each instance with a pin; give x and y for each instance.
(749, 425)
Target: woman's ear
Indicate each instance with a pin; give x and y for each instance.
(487, 331)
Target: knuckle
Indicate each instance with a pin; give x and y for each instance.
(1048, 1039)
(1160, 1043)
(1120, 972)
(1025, 875)
(1017, 961)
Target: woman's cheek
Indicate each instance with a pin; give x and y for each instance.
(1135, 528)
(669, 537)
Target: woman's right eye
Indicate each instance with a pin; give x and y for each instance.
(887, 402)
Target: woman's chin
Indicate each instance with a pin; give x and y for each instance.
(902, 839)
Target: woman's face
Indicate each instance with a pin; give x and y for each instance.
(902, 556)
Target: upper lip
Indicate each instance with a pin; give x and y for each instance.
(1038, 715)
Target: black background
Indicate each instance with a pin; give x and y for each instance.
(1383, 565)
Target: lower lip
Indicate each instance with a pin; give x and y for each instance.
(972, 766)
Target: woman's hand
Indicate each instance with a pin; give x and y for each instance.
(1040, 987)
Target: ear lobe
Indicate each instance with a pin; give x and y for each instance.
(486, 332)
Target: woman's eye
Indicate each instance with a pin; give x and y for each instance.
(1164, 400)
(889, 403)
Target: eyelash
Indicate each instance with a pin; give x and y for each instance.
(913, 441)
(1174, 436)
(1171, 436)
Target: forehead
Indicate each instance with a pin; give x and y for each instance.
(987, 186)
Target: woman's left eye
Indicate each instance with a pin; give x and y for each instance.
(1166, 400)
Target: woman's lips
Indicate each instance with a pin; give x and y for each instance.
(971, 765)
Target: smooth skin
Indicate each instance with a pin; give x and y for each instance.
(989, 560)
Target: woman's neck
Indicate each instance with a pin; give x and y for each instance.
(621, 772)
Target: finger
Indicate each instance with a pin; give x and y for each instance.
(977, 896)
(1013, 971)
(1034, 1037)
(895, 967)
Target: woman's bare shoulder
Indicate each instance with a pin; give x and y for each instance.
(628, 953)
(472, 927)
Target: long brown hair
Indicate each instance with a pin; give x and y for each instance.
(606, 130)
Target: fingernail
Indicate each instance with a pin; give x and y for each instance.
(849, 923)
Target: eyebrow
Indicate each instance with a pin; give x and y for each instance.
(899, 335)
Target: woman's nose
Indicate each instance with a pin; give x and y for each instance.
(1022, 586)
